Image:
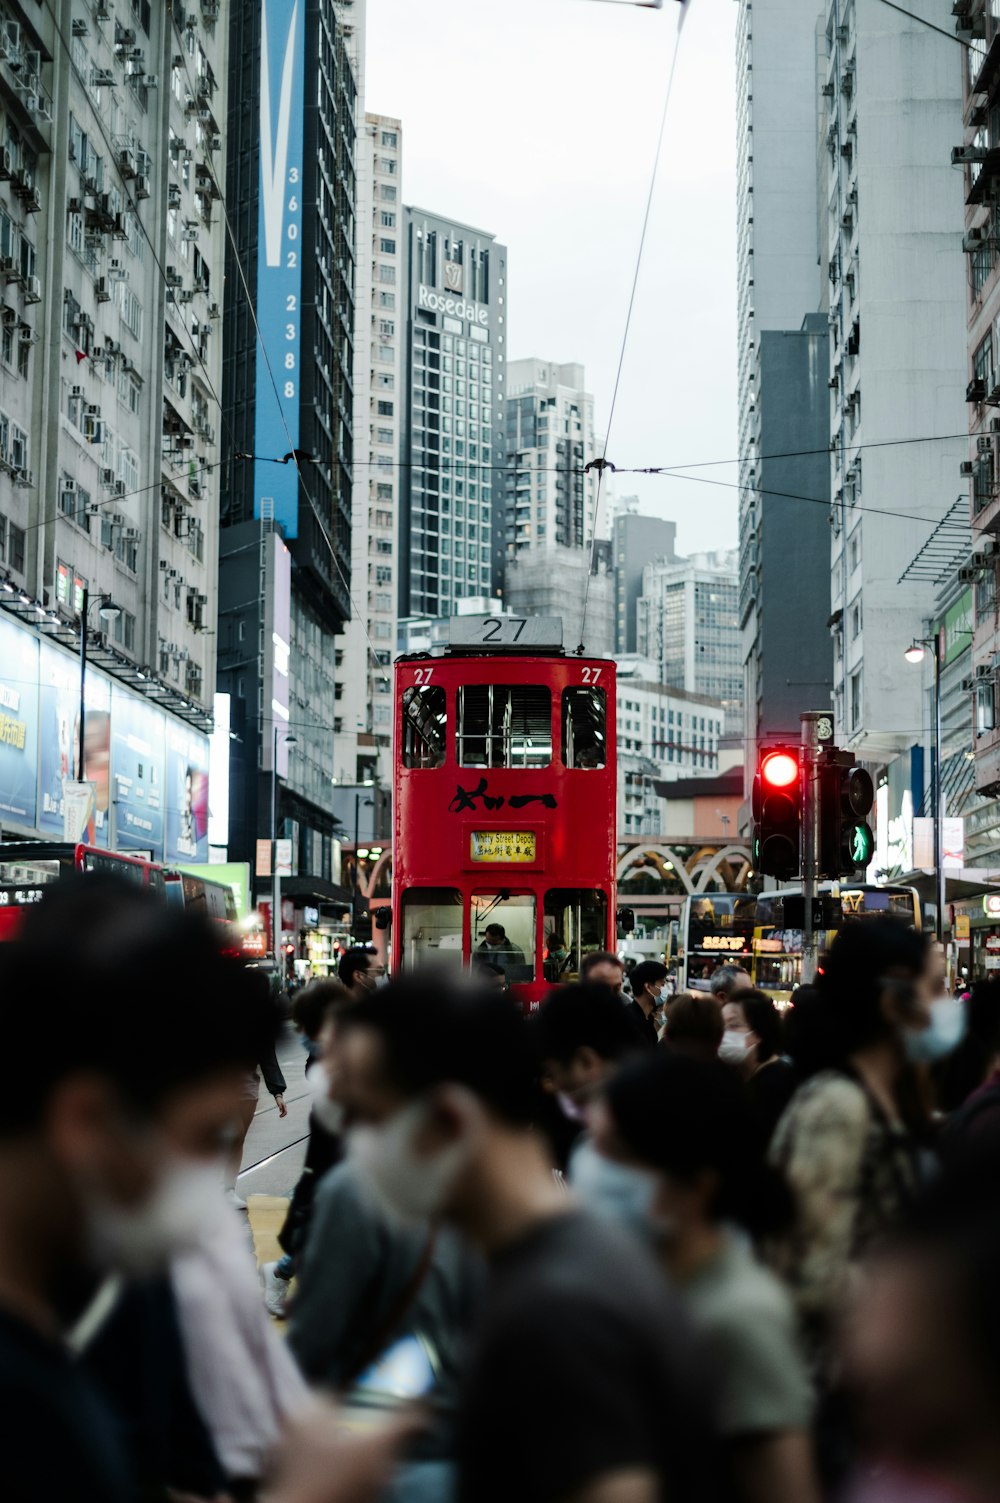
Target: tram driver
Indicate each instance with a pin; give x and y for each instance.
(499, 949)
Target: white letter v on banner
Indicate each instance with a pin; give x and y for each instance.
(274, 154)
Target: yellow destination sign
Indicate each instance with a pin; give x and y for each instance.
(506, 846)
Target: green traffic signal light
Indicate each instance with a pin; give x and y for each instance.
(861, 845)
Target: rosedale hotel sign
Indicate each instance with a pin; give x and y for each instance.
(437, 302)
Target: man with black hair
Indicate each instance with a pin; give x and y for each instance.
(581, 1385)
(111, 1148)
(601, 968)
(581, 1032)
(498, 948)
(648, 980)
(360, 971)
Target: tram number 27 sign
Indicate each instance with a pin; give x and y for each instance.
(509, 847)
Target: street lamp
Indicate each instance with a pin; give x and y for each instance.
(289, 740)
(915, 653)
(359, 803)
(108, 611)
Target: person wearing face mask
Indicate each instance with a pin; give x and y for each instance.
(361, 971)
(649, 993)
(735, 1038)
(683, 1126)
(855, 1142)
(771, 1080)
(111, 1160)
(367, 1279)
(583, 1384)
(581, 1032)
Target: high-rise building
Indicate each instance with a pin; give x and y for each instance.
(288, 371)
(783, 372)
(362, 749)
(687, 624)
(663, 734)
(562, 582)
(979, 148)
(451, 514)
(550, 501)
(785, 538)
(897, 348)
(111, 253)
(635, 540)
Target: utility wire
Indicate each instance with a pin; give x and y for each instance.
(887, 443)
(157, 485)
(941, 30)
(631, 306)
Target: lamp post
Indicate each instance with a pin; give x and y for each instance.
(367, 803)
(108, 612)
(289, 740)
(915, 654)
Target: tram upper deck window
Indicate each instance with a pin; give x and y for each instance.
(424, 715)
(576, 923)
(504, 725)
(584, 727)
(432, 925)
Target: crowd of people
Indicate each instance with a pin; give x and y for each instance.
(635, 1247)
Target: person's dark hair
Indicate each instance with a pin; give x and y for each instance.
(721, 981)
(808, 1033)
(127, 986)
(695, 1024)
(352, 962)
(497, 929)
(436, 1029)
(582, 1017)
(853, 981)
(646, 973)
(964, 1071)
(687, 1116)
(596, 958)
(315, 1002)
(763, 1019)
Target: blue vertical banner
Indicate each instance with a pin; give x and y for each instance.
(279, 256)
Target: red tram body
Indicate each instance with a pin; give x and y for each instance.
(505, 794)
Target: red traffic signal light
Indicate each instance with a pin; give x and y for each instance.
(779, 769)
(777, 808)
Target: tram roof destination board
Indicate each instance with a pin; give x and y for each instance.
(506, 633)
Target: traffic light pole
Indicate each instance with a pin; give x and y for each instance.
(811, 753)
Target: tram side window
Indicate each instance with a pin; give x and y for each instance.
(576, 924)
(584, 719)
(424, 716)
(503, 932)
(432, 925)
(504, 725)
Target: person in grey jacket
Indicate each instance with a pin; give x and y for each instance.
(356, 1270)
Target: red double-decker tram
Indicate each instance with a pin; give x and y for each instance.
(505, 795)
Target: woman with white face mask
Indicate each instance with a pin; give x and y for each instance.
(680, 1128)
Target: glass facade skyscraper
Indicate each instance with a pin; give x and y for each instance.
(451, 494)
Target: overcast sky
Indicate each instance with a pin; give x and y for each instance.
(537, 120)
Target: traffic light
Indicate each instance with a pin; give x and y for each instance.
(777, 809)
(846, 843)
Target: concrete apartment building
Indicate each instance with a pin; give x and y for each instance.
(893, 218)
(362, 750)
(559, 581)
(687, 624)
(635, 539)
(783, 373)
(451, 514)
(550, 502)
(663, 734)
(111, 257)
(978, 148)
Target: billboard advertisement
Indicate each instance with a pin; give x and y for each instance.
(138, 771)
(18, 724)
(59, 734)
(279, 257)
(186, 795)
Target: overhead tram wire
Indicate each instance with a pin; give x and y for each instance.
(140, 490)
(886, 443)
(602, 465)
(931, 26)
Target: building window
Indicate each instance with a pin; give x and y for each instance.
(387, 247)
(855, 700)
(387, 300)
(388, 193)
(15, 548)
(390, 138)
(388, 219)
(385, 409)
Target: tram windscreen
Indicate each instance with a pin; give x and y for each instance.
(503, 932)
(432, 926)
(504, 725)
(576, 924)
(584, 714)
(424, 718)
